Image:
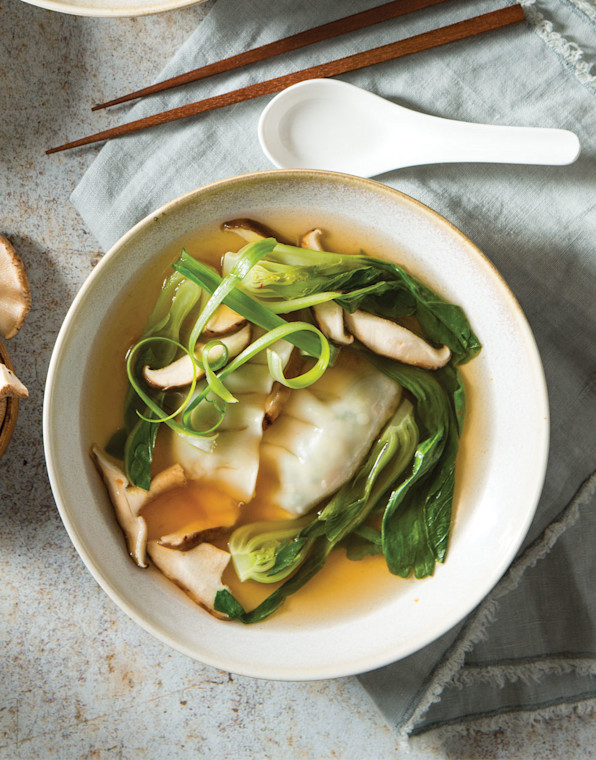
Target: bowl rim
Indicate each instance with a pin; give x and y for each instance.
(157, 6)
(277, 672)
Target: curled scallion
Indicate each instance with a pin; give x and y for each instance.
(247, 258)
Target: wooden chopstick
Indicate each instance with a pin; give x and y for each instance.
(327, 31)
(454, 32)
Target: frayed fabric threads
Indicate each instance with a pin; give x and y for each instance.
(532, 672)
(586, 7)
(519, 719)
(476, 629)
(570, 52)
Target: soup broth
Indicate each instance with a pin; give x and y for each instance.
(343, 588)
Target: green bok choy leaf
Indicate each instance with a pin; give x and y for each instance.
(176, 300)
(288, 274)
(160, 343)
(417, 518)
(306, 551)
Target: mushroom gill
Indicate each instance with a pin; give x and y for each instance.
(15, 294)
(128, 500)
(197, 571)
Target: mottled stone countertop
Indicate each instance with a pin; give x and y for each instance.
(79, 678)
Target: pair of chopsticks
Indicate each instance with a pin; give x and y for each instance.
(442, 36)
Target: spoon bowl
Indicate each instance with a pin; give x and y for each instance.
(329, 124)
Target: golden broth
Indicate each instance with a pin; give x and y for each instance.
(342, 588)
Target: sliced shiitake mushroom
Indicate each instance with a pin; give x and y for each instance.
(275, 402)
(224, 320)
(128, 500)
(313, 240)
(394, 341)
(10, 385)
(185, 538)
(382, 336)
(329, 317)
(250, 230)
(9, 407)
(279, 393)
(197, 571)
(15, 294)
(180, 373)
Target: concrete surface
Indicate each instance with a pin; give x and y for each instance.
(78, 678)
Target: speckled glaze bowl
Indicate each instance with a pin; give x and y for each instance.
(500, 469)
(112, 8)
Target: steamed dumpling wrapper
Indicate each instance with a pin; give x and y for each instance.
(325, 431)
(231, 462)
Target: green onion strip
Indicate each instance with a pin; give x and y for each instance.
(214, 383)
(215, 392)
(293, 304)
(161, 415)
(273, 360)
(248, 257)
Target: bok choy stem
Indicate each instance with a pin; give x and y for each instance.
(240, 302)
(307, 551)
(160, 343)
(176, 300)
(375, 285)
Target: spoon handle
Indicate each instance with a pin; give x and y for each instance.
(456, 141)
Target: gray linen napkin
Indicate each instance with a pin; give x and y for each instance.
(529, 648)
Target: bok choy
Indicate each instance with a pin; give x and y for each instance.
(399, 501)
(305, 552)
(160, 343)
(288, 274)
(177, 299)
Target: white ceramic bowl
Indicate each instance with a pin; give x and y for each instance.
(112, 8)
(500, 473)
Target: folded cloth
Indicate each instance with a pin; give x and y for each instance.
(529, 648)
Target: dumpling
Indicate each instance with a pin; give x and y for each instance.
(231, 462)
(325, 431)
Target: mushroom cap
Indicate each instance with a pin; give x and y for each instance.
(223, 321)
(250, 230)
(187, 538)
(313, 240)
(10, 385)
(9, 408)
(15, 294)
(197, 571)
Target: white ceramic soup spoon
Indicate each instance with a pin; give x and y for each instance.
(329, 124)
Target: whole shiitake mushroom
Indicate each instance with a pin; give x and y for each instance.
(15, 302)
